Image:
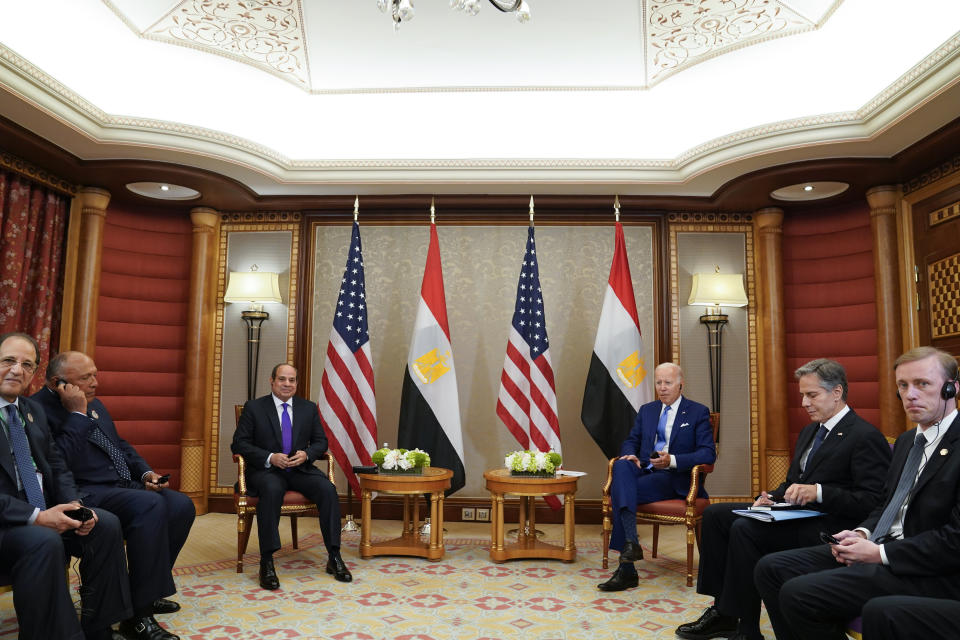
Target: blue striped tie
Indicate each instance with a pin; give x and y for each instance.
(25, 467)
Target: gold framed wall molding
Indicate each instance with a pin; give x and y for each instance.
(721, 223)
(247, 223)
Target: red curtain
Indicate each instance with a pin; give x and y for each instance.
(33, 222)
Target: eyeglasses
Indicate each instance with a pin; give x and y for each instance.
(10, 363)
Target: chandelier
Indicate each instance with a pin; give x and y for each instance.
(402, 10)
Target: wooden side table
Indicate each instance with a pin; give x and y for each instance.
(433, 481)
(499, 483)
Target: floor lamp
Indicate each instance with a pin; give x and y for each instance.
(715, 290)
(255, 287)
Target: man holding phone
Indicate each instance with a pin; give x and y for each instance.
(113, 476)
(670, 436)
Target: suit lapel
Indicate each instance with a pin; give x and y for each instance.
(832, 440)
(678, 420)
(271, 408)
(6, 458)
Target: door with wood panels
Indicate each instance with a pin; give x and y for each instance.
(936, 235)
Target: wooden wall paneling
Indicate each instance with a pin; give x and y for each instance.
(883, 201)
(93, 210)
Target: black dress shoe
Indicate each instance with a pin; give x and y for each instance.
(145, 628)
(268, 575)
(339, 570)
(712, 624)
(631, 552)
(162, 605)
(620, 580)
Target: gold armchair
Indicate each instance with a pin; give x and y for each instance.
(295, 504)
(688, 512)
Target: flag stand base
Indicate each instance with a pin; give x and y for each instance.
(350, 525)
(537, 533)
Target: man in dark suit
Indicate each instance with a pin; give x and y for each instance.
(669, 437)
(838, 468)
(280, 436)
(111, 475)
(909, 544)
(910, 618)
(36, 492)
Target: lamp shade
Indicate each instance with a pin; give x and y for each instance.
(718, 290)
(253, 286)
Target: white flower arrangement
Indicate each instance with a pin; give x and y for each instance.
(533, 462)
(401, 460)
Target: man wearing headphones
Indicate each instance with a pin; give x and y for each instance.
(909, 545)
(669, 437)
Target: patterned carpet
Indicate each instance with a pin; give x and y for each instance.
(464, 596)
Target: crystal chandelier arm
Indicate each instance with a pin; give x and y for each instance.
(506, 6)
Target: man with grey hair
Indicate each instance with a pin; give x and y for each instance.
(909, 545)
(838, 468)
(670, 436)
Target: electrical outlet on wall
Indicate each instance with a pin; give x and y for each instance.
(483, 514)
(467, 513)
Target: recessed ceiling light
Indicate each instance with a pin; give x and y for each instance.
(809, 191)
(163, 191)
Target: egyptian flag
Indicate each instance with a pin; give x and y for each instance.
(617, 381)
(429, 404)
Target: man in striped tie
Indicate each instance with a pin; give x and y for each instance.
(156, 520)
(670, 436)
(909, 545)
(36, 494)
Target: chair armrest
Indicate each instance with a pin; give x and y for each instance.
(330, 468)
(696, 478)
(609, 480)
(241, 473)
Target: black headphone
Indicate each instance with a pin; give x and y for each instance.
(947, 391)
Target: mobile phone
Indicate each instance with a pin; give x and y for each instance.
(827, 538)
(80, 514)
(61, 382)
(163, 479)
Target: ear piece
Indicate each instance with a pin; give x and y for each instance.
(949, 390)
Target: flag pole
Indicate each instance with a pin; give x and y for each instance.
(433, 210)
(356, 207)
(616, 208)
(531, 211)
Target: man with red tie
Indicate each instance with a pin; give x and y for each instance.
(280, 436)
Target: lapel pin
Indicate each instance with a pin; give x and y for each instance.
(93, 414)
(839, 434)
(943, 452)
(29, 416)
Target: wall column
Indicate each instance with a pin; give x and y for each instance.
(774, 439)
(93, 212)
(883, 202)
(195, 440)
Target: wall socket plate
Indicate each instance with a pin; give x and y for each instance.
(483, 515)
(467, 513)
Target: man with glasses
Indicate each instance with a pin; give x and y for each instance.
(111, 474)
(37, 493)
(909, 545)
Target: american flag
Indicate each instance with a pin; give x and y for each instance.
(527, 403)
(348, 407)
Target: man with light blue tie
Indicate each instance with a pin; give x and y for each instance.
(280, 436)
(670, 436)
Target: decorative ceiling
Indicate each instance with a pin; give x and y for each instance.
(644, 97)
(281, 36)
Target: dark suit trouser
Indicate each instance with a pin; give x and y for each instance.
(34, 557)
(809, 595)
(630, 486)
(155, 525)
(910, 618)
(270, 485)
(731, 546)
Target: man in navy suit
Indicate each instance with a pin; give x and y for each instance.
(280, 436)
(669, 437)
(35, 531)
(838, 468)
(111, 475)
(909, 545)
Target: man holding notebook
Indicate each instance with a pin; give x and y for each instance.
(838, 469)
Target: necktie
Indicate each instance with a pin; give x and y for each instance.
(100, 439)
(817, 441)
(661, 442)
(286, 430)
(21, 451)
(907, 479)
